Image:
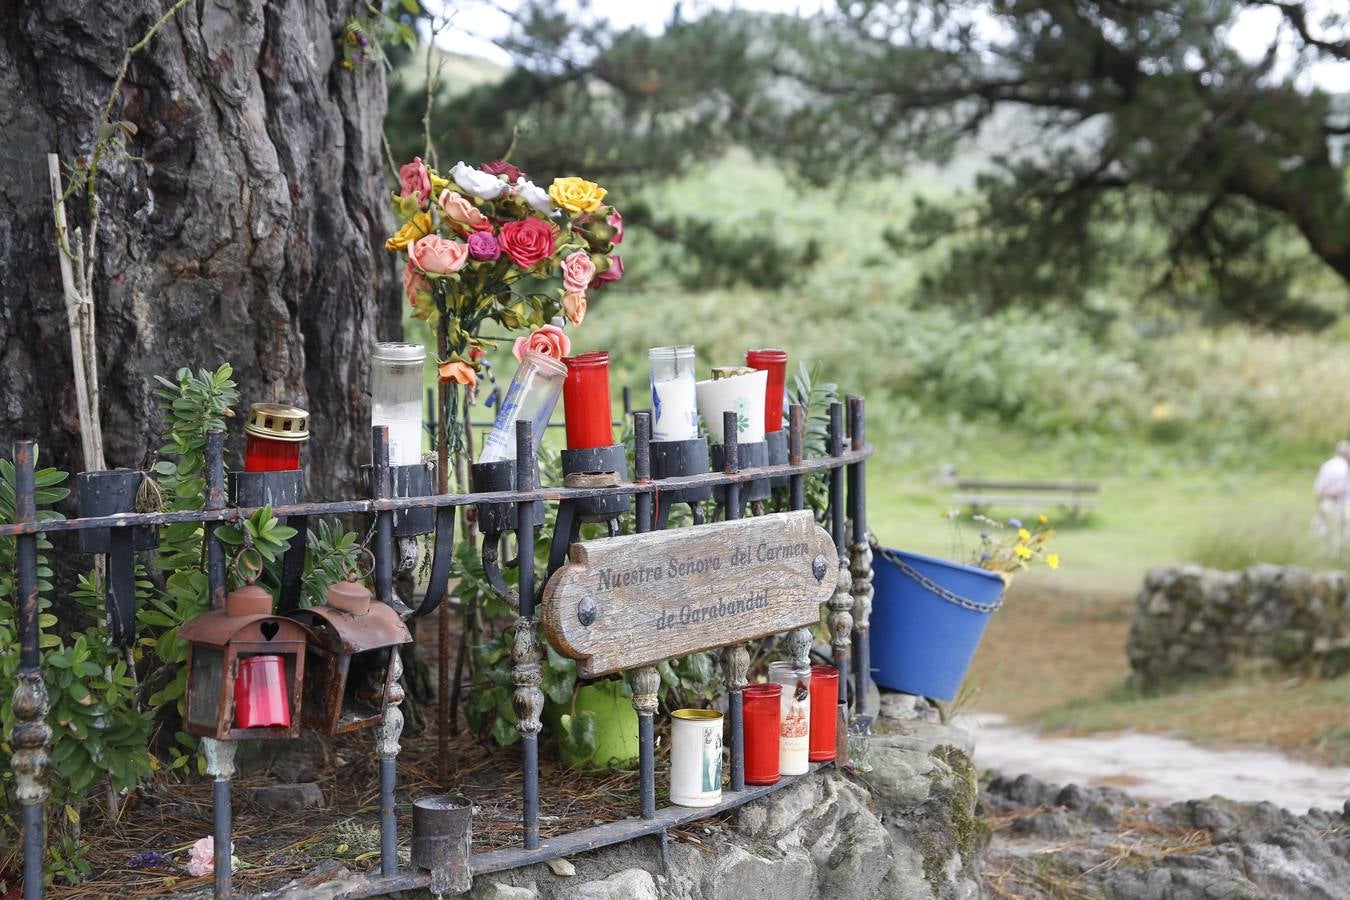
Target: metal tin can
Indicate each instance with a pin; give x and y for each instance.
(795, 726)
(695, 757)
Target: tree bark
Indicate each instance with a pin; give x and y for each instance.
(249, 231)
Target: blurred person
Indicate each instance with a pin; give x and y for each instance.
(1331, 491)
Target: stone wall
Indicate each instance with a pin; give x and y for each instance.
(901, 826)
(1191, 621)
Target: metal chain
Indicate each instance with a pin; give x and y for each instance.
(938, 589)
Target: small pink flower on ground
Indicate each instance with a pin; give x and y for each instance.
(547, 339)
(202, 858)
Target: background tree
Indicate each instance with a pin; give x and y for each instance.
(1148, 144)
(243, 221)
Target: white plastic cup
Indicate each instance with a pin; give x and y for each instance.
(695, 757)
(741, 394)
(533, 394)
(396, 398)
(794, 735)
(674, 404)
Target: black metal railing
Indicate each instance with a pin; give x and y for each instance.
(849, 606)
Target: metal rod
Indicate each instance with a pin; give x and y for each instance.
(215, 500)
(731, 466)
(384, 520)
(436, 501)
(526, 673)
(388, 821)
(836, 448)
(841, 601)
(627, 399)
(34, 850)
(221, 827)
(796, 441)
(642, 467)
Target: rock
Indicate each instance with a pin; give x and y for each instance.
(562, 868)
(498, 891)
(739, 874)
(289, 797)
(628, 884)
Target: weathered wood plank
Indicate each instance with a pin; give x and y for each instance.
(635, 600)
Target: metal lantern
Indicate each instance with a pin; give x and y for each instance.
(350, 676)
(245, 670)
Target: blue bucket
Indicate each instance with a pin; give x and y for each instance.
(923, 635)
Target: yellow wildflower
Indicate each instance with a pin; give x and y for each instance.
(576, 195)
(1043, 519)
(1052, 560)
(417, 227)
(1023, 534)
(1022, 551)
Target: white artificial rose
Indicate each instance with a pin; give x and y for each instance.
(477, 182)
(536, 196)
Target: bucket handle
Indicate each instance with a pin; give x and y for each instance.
(933, 586)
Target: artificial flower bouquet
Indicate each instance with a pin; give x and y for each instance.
(489, 244)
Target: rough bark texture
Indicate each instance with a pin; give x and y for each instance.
(249, 232)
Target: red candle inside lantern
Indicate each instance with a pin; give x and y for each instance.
(824, 699)
(586, 401)
(775, 363)
(761, 713)
(273, 435)
(260, 693)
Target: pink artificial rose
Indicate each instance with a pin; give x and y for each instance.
(457, 209)
(527, 241)
(574, 306)
(413, 179)
(613, 273)
(437, 255)
(414, 282)
(547, 339)
(202, 858)
(577, 271)
(482, 245)
(616, 222)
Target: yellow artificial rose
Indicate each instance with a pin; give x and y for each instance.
(576, 195)
(418, 226)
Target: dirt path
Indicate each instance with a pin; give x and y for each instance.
(1155, 767)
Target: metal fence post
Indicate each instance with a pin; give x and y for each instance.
(31, 738)
(646, 680)
(736, 659)
(526, 673)
(391, 729)
(860, 560)
(799, 641)
(841, 602)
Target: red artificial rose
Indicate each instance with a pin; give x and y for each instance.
(497, 167)
(527, 241)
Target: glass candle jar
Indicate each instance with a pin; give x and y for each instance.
(586, 401)
(531, 397)
(674, 407)
(741, 394)
(272, 437)
(775, 363)
(260, 699)
(695, 757)
(396, 398)
(794, 731)
(824, 700)
(761, 714)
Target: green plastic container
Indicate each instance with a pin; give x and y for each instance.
(616, 726)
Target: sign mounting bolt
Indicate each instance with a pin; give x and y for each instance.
(586, 611)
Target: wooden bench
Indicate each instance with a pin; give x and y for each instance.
(1027, 496)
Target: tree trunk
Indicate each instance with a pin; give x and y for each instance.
(249, 231)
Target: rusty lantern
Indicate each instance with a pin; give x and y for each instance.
(350, 676)
(220, 641)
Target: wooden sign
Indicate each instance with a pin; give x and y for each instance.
(635, 600)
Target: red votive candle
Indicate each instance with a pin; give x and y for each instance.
(775, 363)
(273, 435)
(824, 699)
(761, 714)
(260, 693)
(586, 401)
